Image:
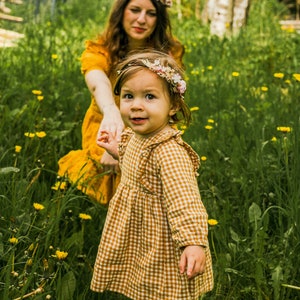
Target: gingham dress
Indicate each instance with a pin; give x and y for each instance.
(155, 213)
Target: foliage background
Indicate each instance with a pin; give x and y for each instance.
(241, 90)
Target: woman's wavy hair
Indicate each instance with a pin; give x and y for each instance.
(115, 38)
(134, 63)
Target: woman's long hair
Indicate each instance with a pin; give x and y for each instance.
(115, 38)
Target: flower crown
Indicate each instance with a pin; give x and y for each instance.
(167, 3)
(169, 74)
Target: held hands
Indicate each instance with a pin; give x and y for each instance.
(112, 121)
(192, 261)
(109, 142)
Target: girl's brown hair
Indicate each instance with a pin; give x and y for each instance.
(135, 62)
(115, 38)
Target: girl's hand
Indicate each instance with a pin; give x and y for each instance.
(109, 142)
(192, 261)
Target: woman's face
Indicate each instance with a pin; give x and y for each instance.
(139, 21)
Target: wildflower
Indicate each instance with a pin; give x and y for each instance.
(41, 134)
(29, 134)
(278, 75)
(60, 255)
(194, 108)
(195, 72)
(264, 88)
(209, 68)
(18, 149)
(203, 158)
(38, 206)
(212, 222)
(40, 98)
(274, 139)
(31, 247)
(48, 297)
(14, 274)
(296, 76)
(235, 74)
(284, 129)
(289, 82)
(29, 262)
(13, 240)
(208, 127)
(59, 186)
(85, 217)
(36, 92)
(54, 56)
(211, 121)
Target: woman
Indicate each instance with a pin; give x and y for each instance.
(133, 24)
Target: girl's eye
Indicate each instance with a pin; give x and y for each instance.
(150, 96)
(127, 96)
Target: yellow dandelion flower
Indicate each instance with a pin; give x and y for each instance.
(36, 92)
(54, 56)
(41, 134)
(274, 139)
(284, 129)
(13, 240)
(38, 206)
(59, 185)
(296, 76)
(29, 262)
(278, 75)
(18, 148)
(29, 134)
(40, 98)
(210, 68)
(61, 255)
(208, 127)
(194, 108)
(85, 216)
(212, 222)
(289, 82)
(211, 121)
(203, 158)
(264, 88)
(235, 74)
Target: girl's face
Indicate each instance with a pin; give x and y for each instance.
(139, 21)
(145, 103)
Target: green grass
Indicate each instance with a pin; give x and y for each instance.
(244, 88)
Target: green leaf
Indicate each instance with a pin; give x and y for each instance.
(8, 170)
(68, 284)
(254, 212)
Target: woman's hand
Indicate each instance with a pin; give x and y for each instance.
(112, 122)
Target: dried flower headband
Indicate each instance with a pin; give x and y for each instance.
(169, 74)
(167, 3)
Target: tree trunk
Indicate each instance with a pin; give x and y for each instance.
(222, 17)
(226, 17)
(240, 10)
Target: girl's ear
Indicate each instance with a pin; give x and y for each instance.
(173, 111)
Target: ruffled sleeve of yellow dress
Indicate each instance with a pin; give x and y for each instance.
(82, 167)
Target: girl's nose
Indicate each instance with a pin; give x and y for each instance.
(136, 105)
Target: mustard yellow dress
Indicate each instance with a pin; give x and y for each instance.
(82, 167)
(155, 213)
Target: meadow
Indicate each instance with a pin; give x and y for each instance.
(244, 93)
